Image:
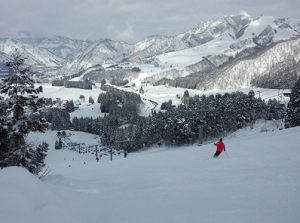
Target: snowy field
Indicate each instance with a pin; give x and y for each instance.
(258, 180)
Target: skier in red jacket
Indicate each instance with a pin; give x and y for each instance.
(220, 147)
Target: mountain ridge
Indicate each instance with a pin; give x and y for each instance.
(154, 45)
(206, 45)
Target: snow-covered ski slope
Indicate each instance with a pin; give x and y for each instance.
(259, 181)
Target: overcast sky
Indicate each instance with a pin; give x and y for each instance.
(127, 20)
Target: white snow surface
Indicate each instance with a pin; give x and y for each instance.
(258, 180)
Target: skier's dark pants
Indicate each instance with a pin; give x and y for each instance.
(217, 154)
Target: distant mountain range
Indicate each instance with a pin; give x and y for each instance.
(213, 48)
(54, 51)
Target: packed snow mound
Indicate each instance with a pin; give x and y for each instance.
(25, 198)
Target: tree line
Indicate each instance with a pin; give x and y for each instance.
(218, 114)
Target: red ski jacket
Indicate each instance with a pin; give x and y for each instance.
(220, 146)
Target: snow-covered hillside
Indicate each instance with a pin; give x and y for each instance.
(256, 181)
(41, 52)
(35, 56)
(220, 41)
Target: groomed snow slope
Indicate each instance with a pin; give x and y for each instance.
(258, 182)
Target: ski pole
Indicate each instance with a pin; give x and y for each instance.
(226, 154)
(210, 148)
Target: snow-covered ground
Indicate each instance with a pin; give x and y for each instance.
(256, 181)
(159, 94)
(259, 181)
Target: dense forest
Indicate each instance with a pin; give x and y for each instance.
(218, 115)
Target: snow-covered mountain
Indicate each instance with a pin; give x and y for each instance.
(35, 56)
(206, 46)
(40, 51)
(203, 51)
(63, 47)
(274, 66)
(112, 51)
(265, 48)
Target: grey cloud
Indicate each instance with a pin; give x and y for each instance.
(125, 20)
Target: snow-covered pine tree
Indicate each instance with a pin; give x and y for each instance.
(3, 130)
(186, 96)
(91, 100)
(141, 90)
(60, 119)
(293, 111)
(60, 146)
(18, 123)
(56, 145)
(37, 164)
(70, 106)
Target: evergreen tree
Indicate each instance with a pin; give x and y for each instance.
(60, 119)
(16, 122)
(75, 123)
(60, 146)
(56, 146)
(91, 100)
(141, 90)
(4, 140)
(293, 112)
(40, 154)
(186, 96)
(70, 106)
